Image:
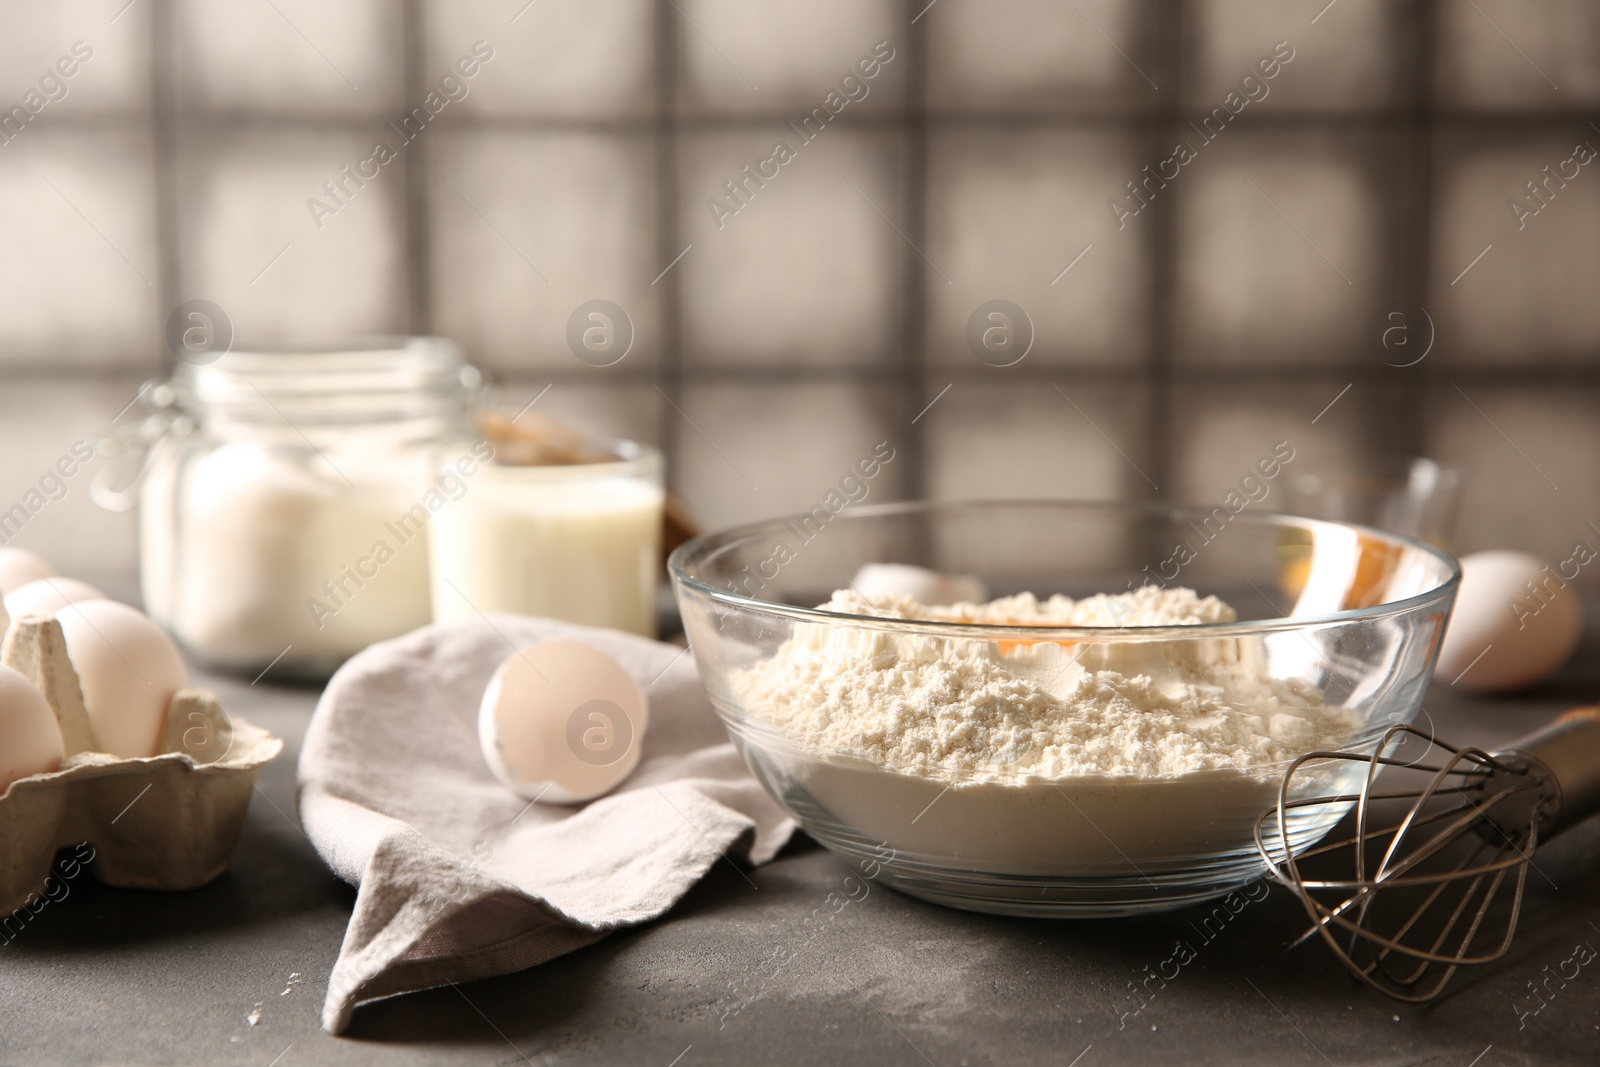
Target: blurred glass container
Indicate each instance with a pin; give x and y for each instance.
(1416, 497)
(577, 541)
(278, 494)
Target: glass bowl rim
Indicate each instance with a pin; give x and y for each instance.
(705, 544)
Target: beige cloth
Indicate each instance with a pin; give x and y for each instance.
(461, 879)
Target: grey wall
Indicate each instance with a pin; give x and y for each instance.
(831, 310)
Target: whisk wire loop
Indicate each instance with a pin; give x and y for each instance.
(1425, 886)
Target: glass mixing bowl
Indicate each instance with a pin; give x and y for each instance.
(1349, 618)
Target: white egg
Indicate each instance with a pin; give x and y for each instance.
(30, 740)
(47, 596)
(1515, 622)
(918, 583)
(129, 669)
(18, 567)
(562, 722)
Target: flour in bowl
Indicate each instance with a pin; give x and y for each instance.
(963, 708)
(1109, 759)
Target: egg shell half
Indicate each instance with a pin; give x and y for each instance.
(1504, 635)
(30, 739)
(48, 596)
(918, 583)
(562, 722)
(129, 670)
(18, 567)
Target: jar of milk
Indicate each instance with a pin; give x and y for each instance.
(575, 541)
(287, 496)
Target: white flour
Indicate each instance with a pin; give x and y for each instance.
(1121, 753)
(962, 709)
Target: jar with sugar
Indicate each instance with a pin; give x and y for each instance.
(285, 498)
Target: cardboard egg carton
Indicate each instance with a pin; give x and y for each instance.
(167, 822)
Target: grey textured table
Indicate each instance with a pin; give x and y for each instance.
(235, 973)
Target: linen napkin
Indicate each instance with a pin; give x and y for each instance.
(459, 878)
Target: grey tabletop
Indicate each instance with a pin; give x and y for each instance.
(751, 968)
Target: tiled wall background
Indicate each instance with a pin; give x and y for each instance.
(831, 311)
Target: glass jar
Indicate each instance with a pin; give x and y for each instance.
(579, 542)
(285, 498)
(1417, 497)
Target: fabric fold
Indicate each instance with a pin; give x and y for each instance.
(461, 879)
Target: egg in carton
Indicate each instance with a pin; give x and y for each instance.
(170, 821)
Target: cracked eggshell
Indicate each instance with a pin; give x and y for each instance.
(562, 722)
(18, 567)
(30, 739)
(47, 596)
(918, 583)
(129, 670)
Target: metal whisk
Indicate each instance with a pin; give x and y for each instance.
(1438, 867)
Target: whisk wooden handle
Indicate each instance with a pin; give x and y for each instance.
(1569, 750)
